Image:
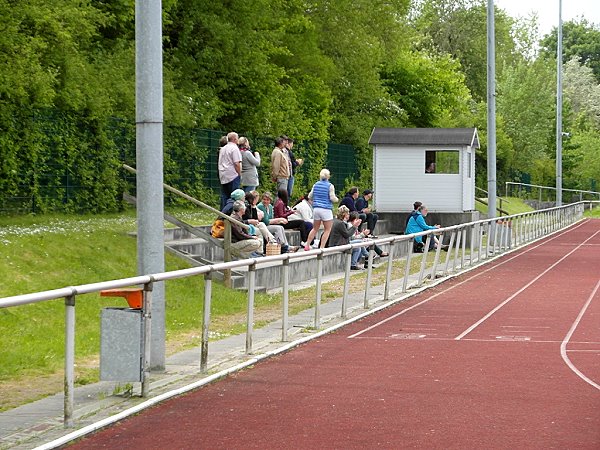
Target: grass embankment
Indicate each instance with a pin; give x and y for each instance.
(594, 213)
(49, 252)
(512, 205)
(515, 205)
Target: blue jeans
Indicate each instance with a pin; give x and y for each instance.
(358, 252)
(290, 186)
(249, 189)
(227, 189)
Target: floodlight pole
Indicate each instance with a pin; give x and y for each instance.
(149, 162)
(491, 110)
(559, 102)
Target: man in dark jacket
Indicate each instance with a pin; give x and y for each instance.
(350, 198)
(364, 212)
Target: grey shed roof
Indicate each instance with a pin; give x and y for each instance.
(425, 136)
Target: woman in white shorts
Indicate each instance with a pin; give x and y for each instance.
(323, 198)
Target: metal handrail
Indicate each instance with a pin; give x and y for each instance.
(552, 188)
(195, 201)
(500, 233)
(485, 192)
(228, 222)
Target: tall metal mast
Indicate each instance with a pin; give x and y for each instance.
(491, 110)
(149, 161)
(559, 102)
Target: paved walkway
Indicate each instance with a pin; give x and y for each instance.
(40, 422)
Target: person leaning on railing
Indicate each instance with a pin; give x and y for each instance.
(241, 242)
(417, 224)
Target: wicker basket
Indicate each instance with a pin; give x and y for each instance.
(272, 248)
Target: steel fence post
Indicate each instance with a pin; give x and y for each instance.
(480, 232)
(346, 283)
(227, 253)
(407, 268)
(69, 377)
(449, 254)
(388, 274)
(490, 231)
(457, 249)
(206, 321)
(147, 315)
(250, 313)
(502, 235)
(472, 246)
(437, 257)
(464, 246)
(318, 291)
(424, 259)
(368, 281)
(286, 299)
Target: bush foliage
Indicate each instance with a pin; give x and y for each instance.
(319, 71)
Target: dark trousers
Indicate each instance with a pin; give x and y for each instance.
(300, 225)
(227, 189)
(369, 220)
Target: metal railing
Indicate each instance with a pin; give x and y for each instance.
(227, 222)
(551, 189)
(469, 244)
(500, 201)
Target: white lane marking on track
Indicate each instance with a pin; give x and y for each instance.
(466, 280)
(563, 345)
(431, 337)
(583, 351)
(493, 311)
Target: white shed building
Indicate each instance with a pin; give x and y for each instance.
(433, 165)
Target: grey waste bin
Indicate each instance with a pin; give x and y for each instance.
(121, 344)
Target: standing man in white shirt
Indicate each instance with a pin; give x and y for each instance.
(230, 167)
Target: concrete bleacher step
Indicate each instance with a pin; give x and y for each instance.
(198, 251)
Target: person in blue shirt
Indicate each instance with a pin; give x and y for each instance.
(417, 224)
(323, 197)
(413, 212)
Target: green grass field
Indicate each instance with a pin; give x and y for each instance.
(40, 253)
(49, 252)
(594, 213)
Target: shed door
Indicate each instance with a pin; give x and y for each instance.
(468, 165)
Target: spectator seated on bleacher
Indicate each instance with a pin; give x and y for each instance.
(242, 243)
(417, 224)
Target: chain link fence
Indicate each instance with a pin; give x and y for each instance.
(190, 165)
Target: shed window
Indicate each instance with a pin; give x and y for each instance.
(442, 161)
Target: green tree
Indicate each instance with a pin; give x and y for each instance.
(581, 39)
(459, 28)
(359, 37)
(430, 90)
(582, 90)
(527, 105)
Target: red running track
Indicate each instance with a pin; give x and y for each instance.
(506, 356)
